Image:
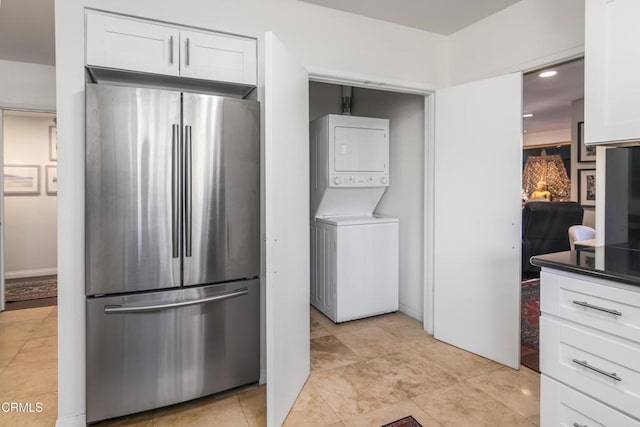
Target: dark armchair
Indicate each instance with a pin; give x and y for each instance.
(544, 230)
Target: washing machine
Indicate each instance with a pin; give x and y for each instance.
(354, 251)
(355, 272)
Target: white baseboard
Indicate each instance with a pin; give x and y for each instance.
(79, 420)
(411, 312)
(263, 376)
(17, 274)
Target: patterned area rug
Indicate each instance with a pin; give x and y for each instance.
(404, 422)
(530, 322)
(30, 288)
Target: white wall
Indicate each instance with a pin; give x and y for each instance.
(404, 199)
(29, 221)
(320, 37)
(529, 34)
(27, 86)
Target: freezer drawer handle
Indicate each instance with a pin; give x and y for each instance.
(579, 425)
(595, 307)
(114, 309)
(584, 363)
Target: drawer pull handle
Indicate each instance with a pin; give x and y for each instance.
(584, 363)
(579, 425)
(595, 307)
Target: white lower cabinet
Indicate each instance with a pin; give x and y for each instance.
(564, 406)
(589, 354)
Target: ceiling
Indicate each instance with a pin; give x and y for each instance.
(549, 99)
(27, 31)
(437, 16)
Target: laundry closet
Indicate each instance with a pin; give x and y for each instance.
(367, 201)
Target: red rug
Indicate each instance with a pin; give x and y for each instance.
(404, 422)
(530, 322)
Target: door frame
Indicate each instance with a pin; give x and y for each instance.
(322, 75)
(4, 108)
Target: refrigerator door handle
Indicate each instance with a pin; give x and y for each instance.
(175, 190)
(187, 191)
(116, 309)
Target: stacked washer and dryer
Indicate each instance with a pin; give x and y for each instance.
(354, 252)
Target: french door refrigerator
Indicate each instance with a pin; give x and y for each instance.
(172, 247)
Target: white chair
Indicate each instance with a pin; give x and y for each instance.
(578, 233)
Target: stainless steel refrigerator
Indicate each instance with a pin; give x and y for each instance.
(172, 201)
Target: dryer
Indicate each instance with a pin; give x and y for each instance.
(354, 253)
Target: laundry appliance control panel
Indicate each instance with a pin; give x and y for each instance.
(344, 181)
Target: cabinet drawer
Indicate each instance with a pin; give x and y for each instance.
(610, 309)
(563, 406)
(599, 365)
(130, 44)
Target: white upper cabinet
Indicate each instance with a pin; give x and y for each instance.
(128, 44)
(137, 45)
(612, 71)
(210, 56)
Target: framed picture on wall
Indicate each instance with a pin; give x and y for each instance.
(587, 187)
(586, 153)
(52, 180)
(53, 143)
(21, 180)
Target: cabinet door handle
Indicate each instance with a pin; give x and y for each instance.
(186, 57)
(595, 307)
(171, 50)
(584, 363)
(579, 425)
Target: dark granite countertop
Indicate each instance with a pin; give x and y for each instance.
(617, 263)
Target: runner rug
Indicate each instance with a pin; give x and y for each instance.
(30, 288)
(530, 323)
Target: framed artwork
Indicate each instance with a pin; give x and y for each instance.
(586, 153)
(52, 180)
(53, 143)
(587, 259)
(587, 187)
(21, 180)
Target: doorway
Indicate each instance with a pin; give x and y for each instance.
(29, 202)
(553, 155)
(404, 198)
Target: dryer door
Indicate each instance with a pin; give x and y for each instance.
(360, 150)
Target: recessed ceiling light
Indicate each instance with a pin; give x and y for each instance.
(549, 73)
(526, 115)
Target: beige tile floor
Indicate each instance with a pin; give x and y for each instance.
(364, 373)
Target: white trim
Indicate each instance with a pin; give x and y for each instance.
(79, 420)
(35, 272)
(411, 312)
(429, 212)
(324, 75)
(263, 376)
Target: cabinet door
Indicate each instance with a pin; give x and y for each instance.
(129, 44)
(218, 57)
(612, 66)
